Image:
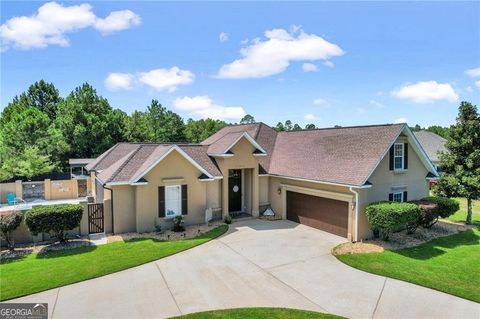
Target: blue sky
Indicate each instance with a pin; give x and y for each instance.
(349, 63)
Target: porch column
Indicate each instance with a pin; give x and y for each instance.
(225, 193)
(255, 192)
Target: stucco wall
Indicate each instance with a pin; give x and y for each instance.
(124, 209)
(6, 188)
(173, 170)
(242, 159)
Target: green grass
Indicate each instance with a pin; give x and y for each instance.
(37, 272)
(449, 264)
(461, 215)
(258, 313)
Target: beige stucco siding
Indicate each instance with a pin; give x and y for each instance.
(124, 209)
(264, 185)
(172, 170)
(242, 159)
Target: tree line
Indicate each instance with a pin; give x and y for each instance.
(40, 130)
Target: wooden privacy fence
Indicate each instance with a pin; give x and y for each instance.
(95, 218)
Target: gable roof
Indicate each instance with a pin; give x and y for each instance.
(431, 143)
(335, 155)
(132, 166)
(223, 145)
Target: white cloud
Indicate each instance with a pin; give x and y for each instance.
(328, 64)
(309, 67)
(320, 101)
(203, 107)
(166, 79)
(244, 41)
(469, 89)
(223, 36)
(117, 21)
(119, 81)
(311, 117)
(52, 22)
(376, 104)
(158, 79)
(426, 92)
(400, 120)
(477, 84)
(273, 55)
(473, 72)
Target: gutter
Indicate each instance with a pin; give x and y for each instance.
(356, 212)
(111, 205)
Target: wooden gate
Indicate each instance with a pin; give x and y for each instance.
(95, 218)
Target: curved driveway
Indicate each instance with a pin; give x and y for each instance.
(257, 263)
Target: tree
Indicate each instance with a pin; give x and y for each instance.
(439, 130)
(197, 131)
(461, 164)
(280, 127)
(137, 128)
(296, 127)
(166, 126)
(288, 125)
(310, 126)
(8, 223)
(85, 120)
(32, 163)
(247, 119)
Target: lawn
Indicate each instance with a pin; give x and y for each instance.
(258, 313)
(449, 264)
(461, 215)
(38, 272)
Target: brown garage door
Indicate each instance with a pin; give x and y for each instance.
(323, 213)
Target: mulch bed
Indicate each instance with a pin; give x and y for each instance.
(401, 239)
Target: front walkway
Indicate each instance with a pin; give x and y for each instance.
(257, 263)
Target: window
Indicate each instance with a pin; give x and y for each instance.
(173, 200)
(398, 197)
(398, 154)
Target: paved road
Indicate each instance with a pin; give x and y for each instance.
(257, 263)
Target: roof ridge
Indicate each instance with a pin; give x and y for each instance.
(128, 158)
(343, 127)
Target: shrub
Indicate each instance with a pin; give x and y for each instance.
(428, 213)
(56, 219)
(227, 219)
(386, 216)
(446, 206)
(8, 223)
(178, 223)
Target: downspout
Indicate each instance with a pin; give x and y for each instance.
(111, 206)
(356, 213)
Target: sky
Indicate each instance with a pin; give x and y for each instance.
(326, 63)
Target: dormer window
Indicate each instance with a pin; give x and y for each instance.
(399, 154)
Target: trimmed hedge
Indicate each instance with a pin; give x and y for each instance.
(9, 223)
(56, 219)
(446, 206)
(386, 216)
(428, 216)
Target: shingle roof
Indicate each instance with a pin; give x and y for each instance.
(336, 155)
(431, 144)
(130, 165)
(221, 145)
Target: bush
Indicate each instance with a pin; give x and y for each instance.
(56, 219)
(428, 214)
(8, 223)
(386, 216)
(178, 223)
(227, 219)
(446, 206)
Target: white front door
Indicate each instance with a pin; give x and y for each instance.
(173, 200)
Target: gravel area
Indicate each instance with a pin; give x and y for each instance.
(401, 239)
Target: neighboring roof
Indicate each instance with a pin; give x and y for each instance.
(80, 161)
(131, 166)
(335, 155)
(431, 143)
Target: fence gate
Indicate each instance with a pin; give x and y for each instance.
(95, 218)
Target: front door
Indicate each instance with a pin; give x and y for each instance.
(235, 190)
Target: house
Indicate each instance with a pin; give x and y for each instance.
(432, 144)
(323, 178)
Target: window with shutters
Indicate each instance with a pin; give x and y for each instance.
(398, 156)
(398, 197)
(173, 200)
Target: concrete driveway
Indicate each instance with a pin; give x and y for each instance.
(257, 263)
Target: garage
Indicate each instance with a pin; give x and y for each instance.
(322, 213)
